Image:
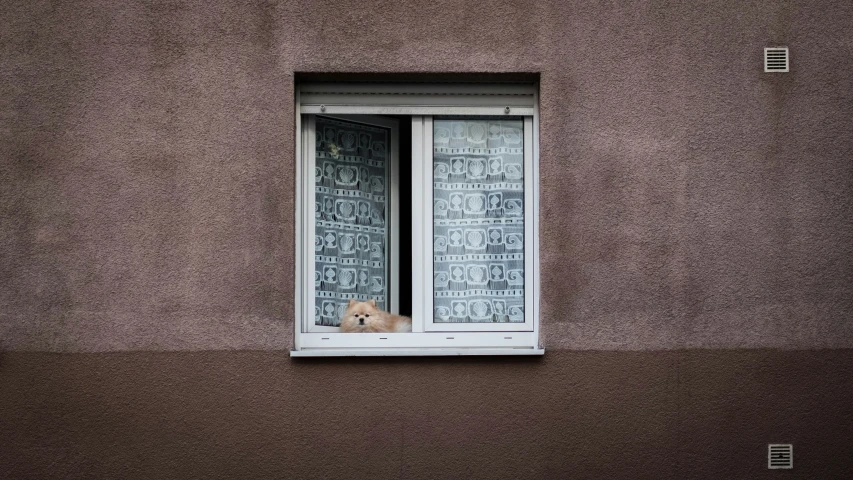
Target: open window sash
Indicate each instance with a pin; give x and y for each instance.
(310, 274)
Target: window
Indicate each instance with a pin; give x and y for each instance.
(424, 198)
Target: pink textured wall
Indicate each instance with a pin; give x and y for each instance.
(688, 199)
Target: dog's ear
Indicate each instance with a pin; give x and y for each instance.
(372, 302)
(351, 302)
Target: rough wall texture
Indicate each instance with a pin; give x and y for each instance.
(691, 200)
(581, 415)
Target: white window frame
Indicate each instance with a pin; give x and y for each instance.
(427, 338)
(307, 232)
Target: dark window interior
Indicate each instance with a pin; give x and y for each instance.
(405, 264)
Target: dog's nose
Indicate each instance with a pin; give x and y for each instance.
(361, 321)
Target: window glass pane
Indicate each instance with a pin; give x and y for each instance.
(478, 220)
(351, 176)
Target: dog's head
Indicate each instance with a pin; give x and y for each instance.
(362, 316)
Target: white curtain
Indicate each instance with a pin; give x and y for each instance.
(350, 178)
(478, 209)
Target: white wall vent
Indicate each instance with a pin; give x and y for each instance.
(776, 59)
(780, 455)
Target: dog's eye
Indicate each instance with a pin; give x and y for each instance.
(366, 315)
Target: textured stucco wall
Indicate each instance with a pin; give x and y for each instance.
(689, 200)
(673, 415)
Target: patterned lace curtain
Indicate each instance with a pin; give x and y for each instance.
(478, 245)
(350, 235)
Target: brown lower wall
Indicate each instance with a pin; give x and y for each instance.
(610, 415)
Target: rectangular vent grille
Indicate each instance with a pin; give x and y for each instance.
(780, 456)
(776, 59)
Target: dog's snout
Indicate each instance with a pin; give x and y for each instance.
(361, 321)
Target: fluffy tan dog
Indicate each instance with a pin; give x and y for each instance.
(366, 317)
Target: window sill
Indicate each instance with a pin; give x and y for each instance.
(412, 352)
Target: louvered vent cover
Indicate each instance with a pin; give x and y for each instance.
(780, 456)
(776, 59)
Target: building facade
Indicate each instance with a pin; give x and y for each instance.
(695, 243)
